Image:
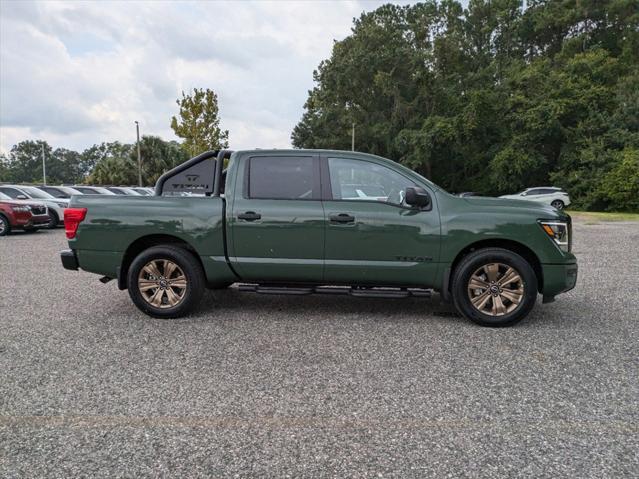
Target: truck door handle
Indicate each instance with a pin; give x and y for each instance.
(342, 218)
(249, 216)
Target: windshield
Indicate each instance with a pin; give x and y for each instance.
(86, 190)
(36, 193)
(56, 192)
(70, 191)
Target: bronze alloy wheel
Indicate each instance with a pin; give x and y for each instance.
(495, 289)
(162, 283)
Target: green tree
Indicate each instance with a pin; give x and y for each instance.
(199, 122)
(489, 98)
(117, 164)
(111, 164)
(620, 186)
(25, 162)
(158, 156)
(5, 172)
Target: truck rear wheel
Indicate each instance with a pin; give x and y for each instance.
(165, 282)
(494, 287)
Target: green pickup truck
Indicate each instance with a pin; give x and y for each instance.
(320, 221)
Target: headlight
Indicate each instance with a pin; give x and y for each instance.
(21, 209)
(559, 231)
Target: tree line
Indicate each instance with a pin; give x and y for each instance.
(115, 163)
(490, 98)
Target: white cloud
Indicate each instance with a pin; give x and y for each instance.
(79, 73)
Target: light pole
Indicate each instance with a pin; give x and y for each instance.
(137, 130)
(44, 167)
(353, 138)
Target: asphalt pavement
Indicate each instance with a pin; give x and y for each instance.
(316, 386)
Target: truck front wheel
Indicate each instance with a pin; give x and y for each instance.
(494, 287)
(166, 281)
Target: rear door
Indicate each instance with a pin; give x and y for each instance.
(372, 236)
(276, 218)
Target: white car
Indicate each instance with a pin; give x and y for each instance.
(548, 195)
(123, 191)
(63, 192)
(22, 192)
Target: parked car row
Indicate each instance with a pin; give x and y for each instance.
(31, 207)
(547, 195)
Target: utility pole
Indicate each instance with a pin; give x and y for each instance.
(44, 167)
(353, 138)
(137, 129)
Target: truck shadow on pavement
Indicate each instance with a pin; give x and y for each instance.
(318, 305)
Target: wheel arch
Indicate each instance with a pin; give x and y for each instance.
(511, 245)
(146, 242)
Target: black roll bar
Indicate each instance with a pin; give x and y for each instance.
(220, 155)
(219, 165)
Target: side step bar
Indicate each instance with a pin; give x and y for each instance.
(360, 291)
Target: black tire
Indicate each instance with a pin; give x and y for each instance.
(5, 226)
(558, 204)
(473, 263)
(192, 269)
(53, 220)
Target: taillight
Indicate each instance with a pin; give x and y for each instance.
(72, 219)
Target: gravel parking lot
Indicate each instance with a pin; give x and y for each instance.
(256, 385)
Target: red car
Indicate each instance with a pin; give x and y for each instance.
(24, 216)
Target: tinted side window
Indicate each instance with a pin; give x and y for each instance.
(364, 180)
(11, 192)
(281, 178)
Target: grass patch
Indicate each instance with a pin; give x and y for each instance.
(591, 217)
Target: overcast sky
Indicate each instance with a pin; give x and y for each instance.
(79, 73)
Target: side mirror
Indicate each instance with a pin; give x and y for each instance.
(416, 196)
(21, 197)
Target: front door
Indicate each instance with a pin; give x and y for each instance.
(372, 236)
(277, 218)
